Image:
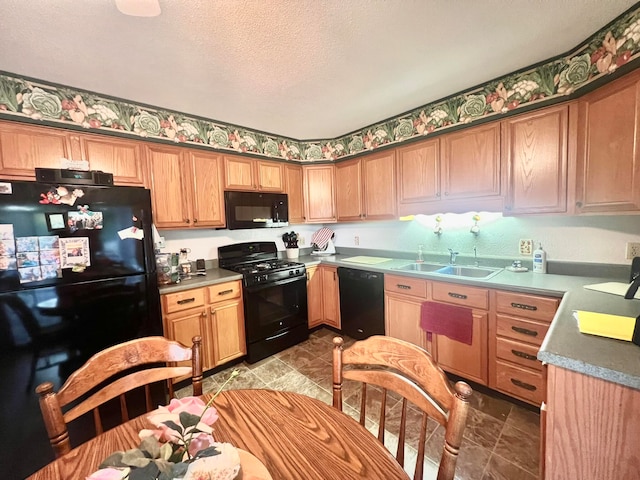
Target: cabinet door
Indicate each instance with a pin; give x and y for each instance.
(270, 176)
(402, 318)
(23, 148)
(608, 164)
(471, 162)
(208, 196)
(330, 296)
(170, 187)
(418, 174)
(535, 150)
(293, 188)
(123, 158)
(239, 173)
(227, 331)
(319, 193)
(183, 326)
(468, 361)
(349, 191)
(379, 177)
(314, 297)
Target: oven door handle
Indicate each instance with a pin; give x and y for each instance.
(257, 288)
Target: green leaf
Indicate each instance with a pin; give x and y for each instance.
(135, 458)
(189, 419)
(174, 426)
(149, 472)
(113, 460)
(151, 445)
(165, 451)
(207, 452)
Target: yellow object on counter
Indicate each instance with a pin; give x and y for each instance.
(605, 325)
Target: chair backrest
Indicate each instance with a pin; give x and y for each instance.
(124, 361)
(410, 372)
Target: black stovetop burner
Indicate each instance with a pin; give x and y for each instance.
(258, 262)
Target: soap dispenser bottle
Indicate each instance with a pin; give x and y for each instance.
(419, 258)
(539, 260)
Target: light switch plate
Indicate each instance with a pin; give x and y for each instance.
(526, 246)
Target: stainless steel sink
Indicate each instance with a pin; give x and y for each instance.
(419, 267)
(469, 272)
(451, 270)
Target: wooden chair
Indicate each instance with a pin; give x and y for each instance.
(122, 361)
(410, 372)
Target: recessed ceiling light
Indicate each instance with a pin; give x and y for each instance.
(139, 8)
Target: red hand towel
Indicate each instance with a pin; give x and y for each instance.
(321, 237)
(448, 320)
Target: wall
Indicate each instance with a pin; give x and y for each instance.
(590, 239)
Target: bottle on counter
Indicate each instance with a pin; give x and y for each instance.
(419, 258)
(539, 260)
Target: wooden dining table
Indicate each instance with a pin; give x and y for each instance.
(294, 436)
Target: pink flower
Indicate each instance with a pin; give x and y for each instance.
(109, 474)
(200, 442)
(95, 123)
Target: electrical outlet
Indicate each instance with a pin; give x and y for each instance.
(633, 250)
(160, 243)
(525, 246)
(300, 240)
(356, 240)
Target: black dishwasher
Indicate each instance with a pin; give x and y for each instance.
(361, 302)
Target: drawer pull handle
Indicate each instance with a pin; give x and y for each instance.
(524, 331)
(458, 295)
(186, 300)
(524, 306)
(526, 356)
(521, 384)
(404, 287)
(224, 292)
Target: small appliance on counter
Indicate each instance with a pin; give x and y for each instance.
(322, 242)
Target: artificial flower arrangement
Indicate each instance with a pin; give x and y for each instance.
(290, 239)
(181, 446)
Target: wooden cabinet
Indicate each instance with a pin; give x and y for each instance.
(418, 174)
(293, 188)
(366, 188)
(535, 151)
(468, 361)
(123, 158)
(319, 193)
(215, 313)
(330, 296)
(455, 172)
(25, 147)
(248, 174)
(225, 323)
(403, 297)
(315, 311)
(185, 187)
(518, 325)
(608, 166)
(591, 428)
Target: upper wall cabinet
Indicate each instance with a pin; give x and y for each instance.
(608, 177)
(293, 188)
(455, 172)
(248, 174)
(24, 147)
(534, 147)
(123, 158)
(185, 187)
(319, 193)
(366, 188)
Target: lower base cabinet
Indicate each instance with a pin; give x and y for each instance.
(215, 313)
(403, 297)
(323, 296)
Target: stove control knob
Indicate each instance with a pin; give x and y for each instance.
(291, 272)
(297, 272)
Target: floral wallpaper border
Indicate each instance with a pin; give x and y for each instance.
(615, 45)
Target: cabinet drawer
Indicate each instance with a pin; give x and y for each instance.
(529, 306)
(406, 285)
(521, 329)
(174, 302)
(223, 291)
(517, 352)
(461, 295)
(520, 382)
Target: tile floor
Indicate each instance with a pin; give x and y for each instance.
(501, 438)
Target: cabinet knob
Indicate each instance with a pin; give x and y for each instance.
(507, 207)
(446, 193)
(187, 221)
(213, 311)
(579, 204)
(195, 220)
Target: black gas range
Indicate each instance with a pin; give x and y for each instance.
(275, 297)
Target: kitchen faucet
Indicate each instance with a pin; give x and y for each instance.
(452, 256)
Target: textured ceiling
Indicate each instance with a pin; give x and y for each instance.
(299, 68)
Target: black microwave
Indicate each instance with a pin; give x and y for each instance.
(256, 210)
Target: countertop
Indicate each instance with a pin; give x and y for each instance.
(564, 346)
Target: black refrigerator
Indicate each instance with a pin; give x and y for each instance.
(77, 274)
